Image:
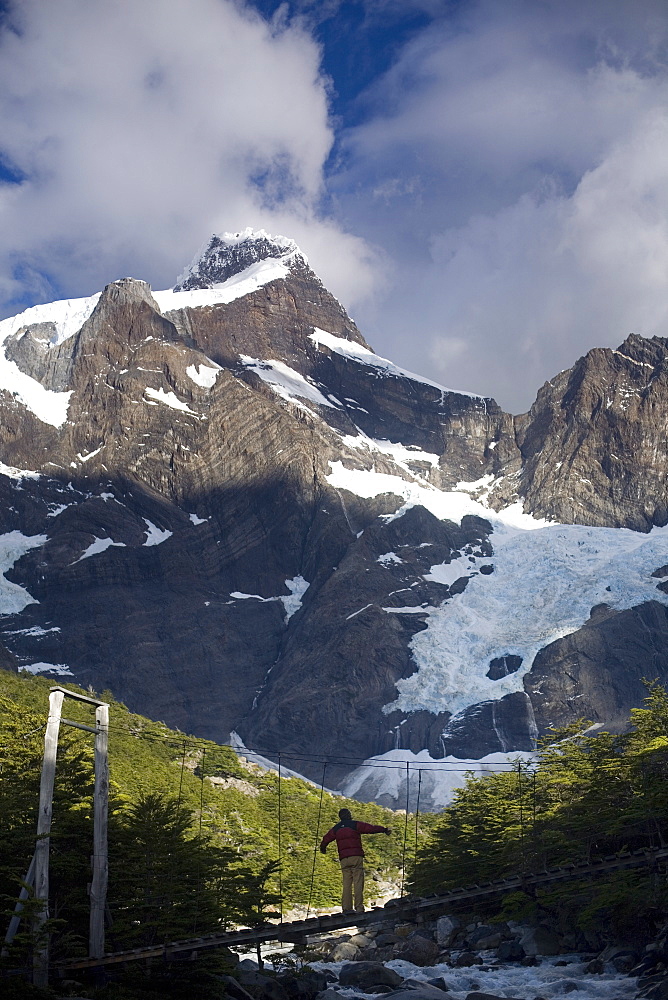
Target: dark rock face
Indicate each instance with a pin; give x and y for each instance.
(492, 727)
(597, 672)
(594, 450)
(186, 547)
(501, 666)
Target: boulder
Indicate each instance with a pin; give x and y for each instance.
(344, 952)
(486, 996)
(328, 994)
(446, 928)
(485, 943)
(385, 938)
(540, 941)
(624, 961)
(466, 959)
(363, 974)
(426, 986)
(234, 989)
(440, 983)
(510, 951)
(261, 986)
(421, 991)
(418, 950)
(403, 930)
(305, 986)
(362, 941)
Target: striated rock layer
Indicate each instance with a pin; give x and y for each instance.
(220, 504)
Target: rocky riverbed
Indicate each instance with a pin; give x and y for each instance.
(466, 958)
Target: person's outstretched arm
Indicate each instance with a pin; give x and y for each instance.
(370, 828)
(327, 839)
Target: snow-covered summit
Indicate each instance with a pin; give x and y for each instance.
(227, 254)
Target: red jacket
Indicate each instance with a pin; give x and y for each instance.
(347, 837)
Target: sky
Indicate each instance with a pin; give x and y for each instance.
(483, 184)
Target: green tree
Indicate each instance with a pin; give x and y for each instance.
(166, 883)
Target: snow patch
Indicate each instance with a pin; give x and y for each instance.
(12, 473)
(67, 315)
(47, 668)
(292, 603)
(408, 610)
(203, 375)
(169, 399)
(358, 612)
(96, 546)
(297, 587)
(355, 352)
(154, 534)
(401, 454)
(388, 558)
(390, 773)
(35, 630)
(243, 283)
(58, 509)
(91, 454)
(197, 520)
(449, 573)
(285, 381)
(13, 545)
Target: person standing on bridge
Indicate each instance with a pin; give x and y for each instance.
(347, 835)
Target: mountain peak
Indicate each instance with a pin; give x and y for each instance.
(227, 254)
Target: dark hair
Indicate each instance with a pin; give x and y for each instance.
(345, 814)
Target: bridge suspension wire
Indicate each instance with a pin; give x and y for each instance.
(519, 789)
(342, 759)
(183, 767)
(280, 848)
(317, 839)
(417, 814)
(199, 853)
(403, 853)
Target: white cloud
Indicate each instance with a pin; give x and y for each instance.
(535, 223)
(139, 128)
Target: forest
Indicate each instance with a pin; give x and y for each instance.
(195, 841)
(193, 830)
(586, 795)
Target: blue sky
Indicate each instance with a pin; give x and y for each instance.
(482, 183)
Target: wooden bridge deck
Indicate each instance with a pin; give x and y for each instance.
(297, 931)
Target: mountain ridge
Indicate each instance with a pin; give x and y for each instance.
(211, 453)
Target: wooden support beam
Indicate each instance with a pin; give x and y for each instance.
(98, 889)
(18, 909)
(41, 956)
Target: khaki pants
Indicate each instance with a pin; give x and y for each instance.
(352, 870)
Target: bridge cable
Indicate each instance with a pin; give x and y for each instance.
(317, 839)
(280, 852)
(417, 814)
(519, 785)
(183, 767)
(403, 853)
(199, 852)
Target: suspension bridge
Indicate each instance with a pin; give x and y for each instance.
(653, 859)
(297, 932)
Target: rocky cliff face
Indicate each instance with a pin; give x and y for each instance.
(218, 502)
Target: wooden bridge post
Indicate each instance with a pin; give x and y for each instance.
(41, 956)
(98, 889)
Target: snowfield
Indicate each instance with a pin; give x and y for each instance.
(546, 579)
